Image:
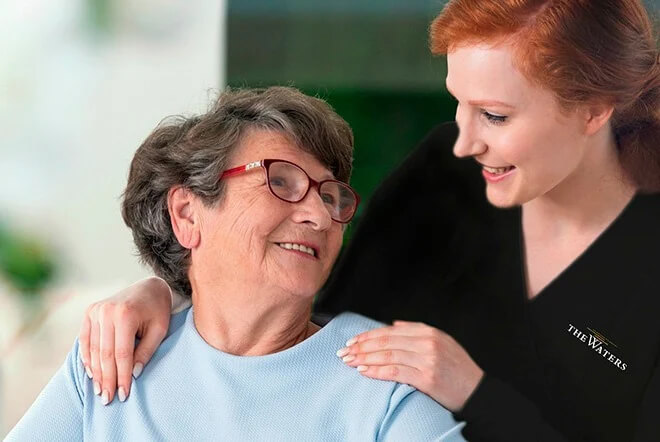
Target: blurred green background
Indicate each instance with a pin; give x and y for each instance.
(368, 59)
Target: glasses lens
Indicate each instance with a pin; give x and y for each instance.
(287, 181)
(290, 183)
(339, 199)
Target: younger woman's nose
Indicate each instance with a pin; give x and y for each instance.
(468, 143)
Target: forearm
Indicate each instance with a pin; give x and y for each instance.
(179, 302)
(497, 412)
(647, 420)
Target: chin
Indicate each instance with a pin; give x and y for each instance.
(502, 200)
(305, 291)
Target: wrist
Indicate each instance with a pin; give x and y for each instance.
(161, 286)
(471, 386)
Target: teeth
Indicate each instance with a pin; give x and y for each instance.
(299, 247)
(497, 170)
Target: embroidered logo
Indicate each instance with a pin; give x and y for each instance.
(600, 344)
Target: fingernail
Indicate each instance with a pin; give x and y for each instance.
(348, 358)
(121, 394)
(89, 372)
(97, 388)
(362, 368)
(137, 370)
(105, 398)
(342, 352)
(351, 342)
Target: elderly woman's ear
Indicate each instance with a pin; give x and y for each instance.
(181, 204)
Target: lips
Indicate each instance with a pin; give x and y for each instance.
(497, 174)
(497, 170)
(300, 247)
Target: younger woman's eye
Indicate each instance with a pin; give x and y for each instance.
(494, 118)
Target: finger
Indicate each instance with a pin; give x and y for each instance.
(407, 329)
(151, 339)
(125, 332)
(387, 357)
(83, 339)
(409, 325)
(107, 351)
(390, 342)
(397, 373)
(94, 349)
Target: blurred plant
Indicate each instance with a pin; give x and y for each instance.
(25, 263)
(99, 16)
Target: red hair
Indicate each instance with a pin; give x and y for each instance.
(584, 51)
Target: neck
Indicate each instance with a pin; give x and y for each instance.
(588, 200)
(249, 322)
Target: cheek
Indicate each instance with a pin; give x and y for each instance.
(551, 153)
(513, 147)
(527, 146)
(335, 239)
(237, 238)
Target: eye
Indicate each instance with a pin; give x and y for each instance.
(494, 118)
(277, 182)
(328, 198)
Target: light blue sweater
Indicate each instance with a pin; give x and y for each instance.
(191, 391)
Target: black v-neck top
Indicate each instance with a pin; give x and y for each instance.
(580, 361)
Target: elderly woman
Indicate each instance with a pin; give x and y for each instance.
(242, 210)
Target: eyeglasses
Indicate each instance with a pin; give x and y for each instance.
(289, 182)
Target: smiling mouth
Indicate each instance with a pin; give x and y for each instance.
(497, 170)
(299, 247)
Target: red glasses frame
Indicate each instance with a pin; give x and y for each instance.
(311, 182)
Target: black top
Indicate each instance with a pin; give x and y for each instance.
(578, 362)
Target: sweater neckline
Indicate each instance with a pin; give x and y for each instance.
(317, 340)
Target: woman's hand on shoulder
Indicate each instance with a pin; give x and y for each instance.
(108, 332)
(418, 355)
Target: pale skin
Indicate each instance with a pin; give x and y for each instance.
(562, 168)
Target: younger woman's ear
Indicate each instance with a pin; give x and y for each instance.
(596, 116)
(181, 204)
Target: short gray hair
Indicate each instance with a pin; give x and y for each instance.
(193, 151)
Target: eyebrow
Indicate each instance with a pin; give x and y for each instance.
(482, 103)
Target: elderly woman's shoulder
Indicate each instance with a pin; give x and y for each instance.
(357, 321)
(348, 324)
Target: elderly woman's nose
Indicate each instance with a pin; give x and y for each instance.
(312, 210)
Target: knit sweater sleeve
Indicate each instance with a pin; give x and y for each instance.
(414, 416)
(57, 413)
